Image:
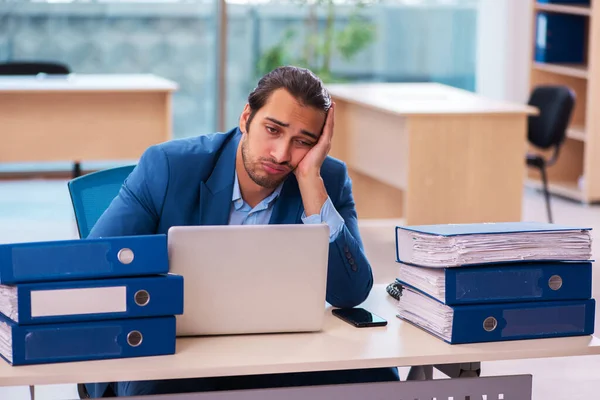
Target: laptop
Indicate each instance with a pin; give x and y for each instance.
(245, 279)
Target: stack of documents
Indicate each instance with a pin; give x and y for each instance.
(87, 299)
(500, 283)
(491, 282)
(497, 321)
(455, 245)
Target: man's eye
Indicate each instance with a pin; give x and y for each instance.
(271, 129)
(303, 143)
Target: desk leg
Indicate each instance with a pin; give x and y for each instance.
(76, 169)
(420, 373)
(464, 370)
(32, 392)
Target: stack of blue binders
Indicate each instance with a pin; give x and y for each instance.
(87, 299)
(471, 283)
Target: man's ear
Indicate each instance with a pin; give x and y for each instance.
(244, 118)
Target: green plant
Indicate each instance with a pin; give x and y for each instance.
(320, 45)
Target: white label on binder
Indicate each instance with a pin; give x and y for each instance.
(541, 31)
(46, 303)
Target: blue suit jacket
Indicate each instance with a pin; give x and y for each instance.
(190, 182)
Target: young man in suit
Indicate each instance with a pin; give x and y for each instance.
(273, 169)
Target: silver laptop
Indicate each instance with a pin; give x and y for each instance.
(241, 279)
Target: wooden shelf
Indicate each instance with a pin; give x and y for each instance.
(580, 153)
(574, 70)
(564, 9)
(576, 132)
(565, 189)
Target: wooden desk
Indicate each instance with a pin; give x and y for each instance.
(338, 346)
(83, 117)
(429, 153)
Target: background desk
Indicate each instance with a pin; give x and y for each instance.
(338, 346)
(430, 153)
(83, 117)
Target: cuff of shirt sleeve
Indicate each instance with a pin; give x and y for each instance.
(328, 215)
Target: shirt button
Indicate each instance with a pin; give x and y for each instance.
(348, 256)
(346, 249)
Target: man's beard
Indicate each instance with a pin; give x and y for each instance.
(252, 167)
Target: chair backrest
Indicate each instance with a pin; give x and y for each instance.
(33, 68)
(91, 195)
(555, 105)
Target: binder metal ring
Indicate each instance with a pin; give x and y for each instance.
(134, 338)
(141, 297)
(555, 282)
(125, 256)
(490, 324)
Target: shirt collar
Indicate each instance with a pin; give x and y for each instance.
(238, 202)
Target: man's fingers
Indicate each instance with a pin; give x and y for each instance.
(328, 131)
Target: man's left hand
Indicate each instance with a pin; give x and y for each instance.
(310, 166)
(308, 171)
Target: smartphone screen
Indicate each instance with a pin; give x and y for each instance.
(359, 317)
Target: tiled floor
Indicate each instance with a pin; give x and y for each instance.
(41, 210)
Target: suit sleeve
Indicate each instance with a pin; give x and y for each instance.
(349, 277)
(137, 208)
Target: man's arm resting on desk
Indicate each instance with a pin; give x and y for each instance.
(349, 277)
(135, 211)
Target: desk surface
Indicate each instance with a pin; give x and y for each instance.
(338, 346)
(423, 99)
(85, 83)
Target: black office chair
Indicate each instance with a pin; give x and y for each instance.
(548, 129)
(33, 68)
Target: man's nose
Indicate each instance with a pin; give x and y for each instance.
(281, 151)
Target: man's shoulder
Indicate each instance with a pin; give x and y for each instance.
(201, 145)
(333, 168)
(194, 151)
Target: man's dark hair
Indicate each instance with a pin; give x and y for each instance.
(301, 83)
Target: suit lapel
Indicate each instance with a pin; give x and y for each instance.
(288, 206)
(215, 194)
(214, 207)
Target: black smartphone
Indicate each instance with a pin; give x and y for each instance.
(359, 317)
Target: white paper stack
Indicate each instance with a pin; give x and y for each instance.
(6, 348)
(9, 302)
(431, 281)
(426, 313)
(453, 245)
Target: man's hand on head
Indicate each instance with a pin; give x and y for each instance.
(310, 166)
(308, 171)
